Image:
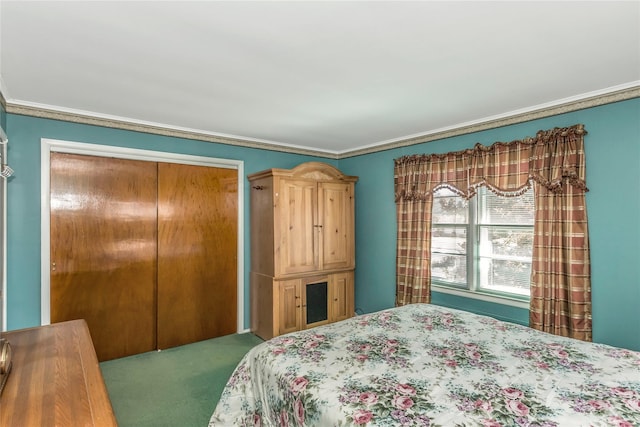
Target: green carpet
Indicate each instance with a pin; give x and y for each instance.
(175, 387)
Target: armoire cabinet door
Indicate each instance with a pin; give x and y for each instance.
(341, 296)
(296, 247)
(291, 302)
(336, 212)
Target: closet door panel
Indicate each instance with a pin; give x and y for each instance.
(103, 250)
(197, 253)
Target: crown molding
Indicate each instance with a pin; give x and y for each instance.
(506, 120)
(560, 107)
(156, 129)
(4, 94)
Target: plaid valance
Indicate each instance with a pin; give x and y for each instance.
(551, 158)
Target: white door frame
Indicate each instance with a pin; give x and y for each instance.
(51, 145)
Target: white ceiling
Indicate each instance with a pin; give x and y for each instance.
(328, 76)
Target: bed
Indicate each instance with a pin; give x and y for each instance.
(425, 365)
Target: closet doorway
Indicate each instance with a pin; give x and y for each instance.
(145, 251)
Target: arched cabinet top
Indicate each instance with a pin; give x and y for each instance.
(317, 171)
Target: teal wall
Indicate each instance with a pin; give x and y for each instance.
(613, 208)
(613, 176)
(23, 216)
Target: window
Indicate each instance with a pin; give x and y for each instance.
(483, 245)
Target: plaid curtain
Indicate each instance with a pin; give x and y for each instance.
(554, 162)
(413, 267)
(561, 268)
(415, 179)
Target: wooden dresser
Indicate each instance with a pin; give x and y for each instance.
(55, 379)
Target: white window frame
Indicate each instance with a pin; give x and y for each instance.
(472, 286)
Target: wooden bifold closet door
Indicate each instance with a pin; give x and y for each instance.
(145, 252)
(197, 253)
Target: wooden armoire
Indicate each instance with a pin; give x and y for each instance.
(302, 248)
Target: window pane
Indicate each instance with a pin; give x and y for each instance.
(506, 242)
(497, 233)
(450, 240)
(449, 268)
(505, 210)
(505, 275)
(448, 208)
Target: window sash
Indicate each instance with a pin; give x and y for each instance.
(478, 262)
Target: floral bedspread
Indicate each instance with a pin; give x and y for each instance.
(424, 365)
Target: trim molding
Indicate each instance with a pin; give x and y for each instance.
(563, 107)
(114, 123)
(575, 105)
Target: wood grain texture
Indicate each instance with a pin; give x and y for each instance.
(302, 228)
(197, 253)
(55, 380)
(103, 250)
(262, 224)
(290, 306)
(336, 207)
(341, 296)
(265, 306)
(296, 244)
